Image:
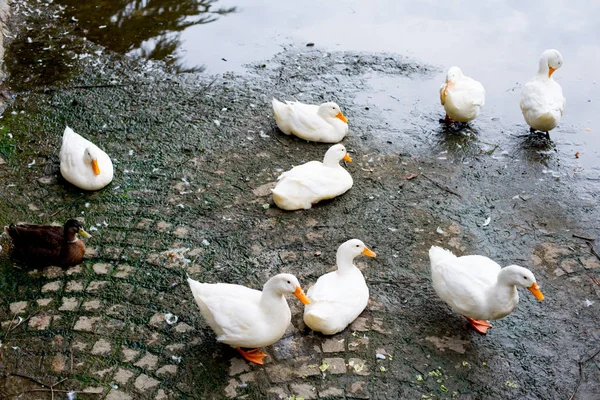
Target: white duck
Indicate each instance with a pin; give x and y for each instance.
(307, 184)
(477, 287)
(340, 296)
(461, 96)
(83, 164)
(244, 317)
(324, 123)
(542, 100)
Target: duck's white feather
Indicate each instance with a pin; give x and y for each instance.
(336, 300)
(237, 315)
(303, 120)
(476, 286)
(462, 99)
(307, 184)
(76, 170)
(542, 104)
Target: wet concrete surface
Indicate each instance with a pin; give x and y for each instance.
(195, 156)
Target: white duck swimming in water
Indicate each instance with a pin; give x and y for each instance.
(477, 287)
(83, 164)
(340, 296)
(244, 317)
(324, 123)
(461, 96)
(542, 100)
(307, 184)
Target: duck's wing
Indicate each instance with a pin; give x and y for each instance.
(37, 236)
(319, 180)
(457, 287)
(304, 118)
(481, 269)
(476, 92)
(334, 289)
(234, 308)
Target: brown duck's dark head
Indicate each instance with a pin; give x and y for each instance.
(72, 227)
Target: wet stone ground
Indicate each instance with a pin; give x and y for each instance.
(195, 157)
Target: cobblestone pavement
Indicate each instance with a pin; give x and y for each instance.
(195, 158)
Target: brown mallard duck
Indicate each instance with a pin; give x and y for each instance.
(40, 245)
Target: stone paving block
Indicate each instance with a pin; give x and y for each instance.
(53, 272)
(182, 327)
(307, 368)
(148, 361)
(357, 389)
(52, 287)
(123, 271)
(102, 347)
(58, 363)
(69, 304)
(158, 320)
(166, 370)
(358, 366)
(44, 302)
(92, 305)
(333, 345)
(304, 390)
(122, 376)
(18, 307)
(40, 321)
(86, 324)
(331, 392)
(277, 393)
(590, 263)
(237, 366)
(360, 324)
(358, 344)
(231, 388)
(77, 269)
(129, 354)
(336, 365)
(115, 394)
(280, 373)
(378, 326)
(96, 286)
(248, 377)
(101, 268)
(145, 383)
(74, 286)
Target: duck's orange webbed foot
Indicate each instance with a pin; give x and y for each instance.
(255, 355)
(479, 325)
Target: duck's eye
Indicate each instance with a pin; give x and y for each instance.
(289, 282)
(525, 277)
(358, 245)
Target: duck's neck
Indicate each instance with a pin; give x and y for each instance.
(345, 262)
(543, 69)
(504, 296)
(70, 237)
(271, 300)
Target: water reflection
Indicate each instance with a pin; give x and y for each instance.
(149, 29)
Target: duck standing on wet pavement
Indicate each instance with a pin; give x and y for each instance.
(461, 96)
(246, 318)
(477, 287)
(542, 100)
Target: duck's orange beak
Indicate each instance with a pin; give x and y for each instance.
(341, 116)
(95, 167)
(368, 252)
(299, 293)
(535, 289)
(551, 71)
(347, 158)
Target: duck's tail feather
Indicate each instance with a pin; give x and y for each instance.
(437, 254)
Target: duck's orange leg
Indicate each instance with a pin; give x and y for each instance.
(479, 325)
(255, 355)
